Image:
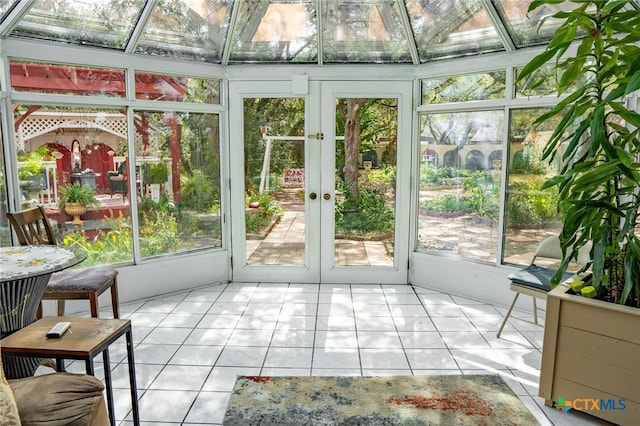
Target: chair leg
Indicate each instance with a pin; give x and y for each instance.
(115, 304)
(535, 311)
(60, 307)
(39, 311)
(93, 303)
(506, 317)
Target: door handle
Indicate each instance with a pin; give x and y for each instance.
(313, 196)
(326, 196)
(319, 136)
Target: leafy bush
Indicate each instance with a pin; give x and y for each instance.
(112, 246)
(445, 203)
(269, 210)
(527, 203)
(370, 211)
(436, 176)
(158, 233)
(198, 192)
(156, 172)
(481, 195)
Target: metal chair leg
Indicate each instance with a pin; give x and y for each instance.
(506, 317)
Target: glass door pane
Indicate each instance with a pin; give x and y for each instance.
(365, 170)
(365, 176)
(274, 176)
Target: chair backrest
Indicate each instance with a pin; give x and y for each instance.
(550, 248)
(32, 227)
(122, 168)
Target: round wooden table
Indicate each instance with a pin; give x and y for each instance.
(24, 275)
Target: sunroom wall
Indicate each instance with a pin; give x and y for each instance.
(478, 280)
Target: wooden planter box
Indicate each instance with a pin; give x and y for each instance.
(591, 351)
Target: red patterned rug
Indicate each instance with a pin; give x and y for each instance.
(390, 400)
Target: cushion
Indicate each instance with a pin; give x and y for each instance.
(8, 408)
(79, 280)
(59, 399)
(536, 277)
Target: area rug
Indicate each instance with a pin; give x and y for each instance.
(385, 400)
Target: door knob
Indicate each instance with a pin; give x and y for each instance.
(313, 196)
(326, 196)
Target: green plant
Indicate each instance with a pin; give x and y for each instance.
(158, 233)
(77, 194)
(156, 173)
(269, 211)
(444, 203)
(198, 191)
(528, 204)
(107, 247)
(597, 141)
(369, 213)
(435, 176)
(31, 164)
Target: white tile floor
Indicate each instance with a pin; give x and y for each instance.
(190, 346)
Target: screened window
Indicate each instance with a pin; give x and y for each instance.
(530, 212)
(63, 146)
(461, 88)
(177, 181)
(460, 171)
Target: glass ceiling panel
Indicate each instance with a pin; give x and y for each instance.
(525, 30)
(364, 31)
(452, 28)
(275, 31)
(5, 6)
(287, 31)
(101, 23)
(187, 29)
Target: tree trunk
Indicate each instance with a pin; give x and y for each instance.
(352, 144)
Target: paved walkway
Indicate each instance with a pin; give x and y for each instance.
(285, 245)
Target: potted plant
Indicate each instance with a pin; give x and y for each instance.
(592, 344)
(75, 199)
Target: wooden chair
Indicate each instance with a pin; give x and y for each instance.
(32, 227)
(535, 280)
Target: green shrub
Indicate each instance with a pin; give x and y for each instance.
(198, 192)
(114, 242)
(156, 172)
(527, 203)
(112, 246)
(158, 233)
(444, 203)
(260, 219)
(480, 195)
(369, 213)
(436, 176)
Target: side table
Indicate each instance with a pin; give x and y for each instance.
(24, 274)
(86, 338)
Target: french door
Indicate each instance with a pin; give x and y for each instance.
(320, 181)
